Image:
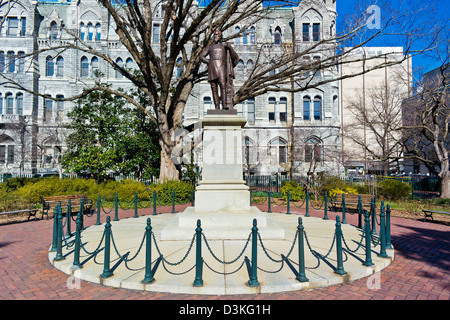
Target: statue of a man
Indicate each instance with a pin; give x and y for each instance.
(222, 60)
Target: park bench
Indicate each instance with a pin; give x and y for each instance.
(49, 203)
(351, 201)
(429, 214)
(31, 212)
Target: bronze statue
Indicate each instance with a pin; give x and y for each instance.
(221, 62)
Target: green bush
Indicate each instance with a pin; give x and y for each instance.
(295, 190)
(392, 189)
(183, 191)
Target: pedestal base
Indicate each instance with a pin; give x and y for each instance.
(221, 225)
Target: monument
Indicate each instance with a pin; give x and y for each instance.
(222, 200)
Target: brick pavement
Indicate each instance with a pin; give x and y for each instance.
(420, 270)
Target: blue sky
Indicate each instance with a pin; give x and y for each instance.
(442, 12)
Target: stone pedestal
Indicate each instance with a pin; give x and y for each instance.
(222, 200)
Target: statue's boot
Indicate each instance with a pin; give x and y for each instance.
(216, 99)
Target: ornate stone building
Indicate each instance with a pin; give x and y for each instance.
(286, 133)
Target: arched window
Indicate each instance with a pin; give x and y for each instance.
(272, 103)
(316, 31)
(313, 150)
(59, 108)
(277, 35)
(11, 61)
(6, 149)
(278, 151)
(60, 67)
(237, 40)
(129, 64)
(240, 68)
(19, 103)
(21, 59)
(207, 104)
(1, 104)
(2, 61)
(119, 62)
(49, 67)
(94, 66)
(317, 108)
(53, 31)
(90, 31)
(98, 32)
(306, 107)
(82, 31)
(84, 67)
(283, 109)
(48, 109)
(252, 35)
(249, 65)
(251, 110)
(9, 101)
(245, 36)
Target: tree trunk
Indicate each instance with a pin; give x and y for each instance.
(445, 185)
(168, 170)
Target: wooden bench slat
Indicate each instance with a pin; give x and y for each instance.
(49, 203)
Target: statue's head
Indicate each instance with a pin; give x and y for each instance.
(217, 36)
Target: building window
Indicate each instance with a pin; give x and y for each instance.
(283, 109)
(119, 63)
(59, 108)
(251, 110)
(49, 67)
(10, 159)
(313, 150)
(21, 60)
(9, 99)
(13, 27)
(277, 36)
(94, 67)
(179, 66)
(237, 40)
(306, 106)
(11, 62)
(1, 104)
(306, 32)
(272, 103)
(156, 30)
(48, 107)
(84, 67)
(252, 35)
(90, 28)
(60, 67)
(98, 32)
(278, 151)
(129, 64)
(245, 36)
(2, 61)
(82, 31)
(23, 29)
(53, 31)
(19, 104)
(317, 108)
(316, 31)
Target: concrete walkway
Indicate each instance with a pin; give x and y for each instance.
(225, 278)
(420, 270)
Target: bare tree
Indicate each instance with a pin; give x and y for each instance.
(185, 31)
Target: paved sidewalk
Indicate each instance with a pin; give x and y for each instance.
(420, 270)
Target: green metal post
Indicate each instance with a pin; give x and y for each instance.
(116, 208)
(368, 262)
(154, 202)
(68, 218)
(373, 214)
(382, 253)
(173, 201)
(270, 208)
(301, 253)
(55, 229)
(135, 205)
(99, 208)
(325, 217)
(343, 209)
(360, 209)
(59, 233)
(76, 256)
(148, 278)
(82, 213)
(198, 282)
(253, 282)
(388, 227)
(192, 197)
(288, 202)
(307, 203)
(106, 264)
(340, 264)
